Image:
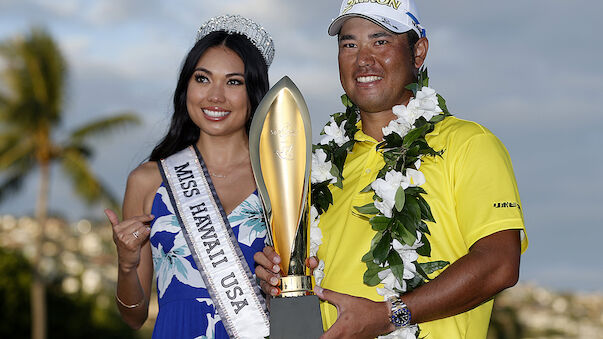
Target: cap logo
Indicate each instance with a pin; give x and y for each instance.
(395, 4)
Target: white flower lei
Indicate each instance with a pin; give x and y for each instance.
(398, 208)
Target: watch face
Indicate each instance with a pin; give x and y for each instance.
(405, 316)
(401, 316)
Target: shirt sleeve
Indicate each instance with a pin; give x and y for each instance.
(486, 194)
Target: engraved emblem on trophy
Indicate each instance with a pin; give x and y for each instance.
(280, 146)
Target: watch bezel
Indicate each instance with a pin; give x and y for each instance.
(400, 314)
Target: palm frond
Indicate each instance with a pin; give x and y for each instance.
(86, 184)
(35, 75)
(15, 150)
(105, 125)
(13, 180)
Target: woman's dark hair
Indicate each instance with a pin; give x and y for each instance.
(183, 132)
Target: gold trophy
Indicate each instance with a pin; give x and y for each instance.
(280, 148)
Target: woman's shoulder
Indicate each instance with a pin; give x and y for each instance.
(142, 185)
(145, 178)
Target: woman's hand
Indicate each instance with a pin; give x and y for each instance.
(267, 269)
(129, 236)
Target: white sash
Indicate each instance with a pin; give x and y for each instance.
(213, 245)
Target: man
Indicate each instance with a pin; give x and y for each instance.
(471, 190)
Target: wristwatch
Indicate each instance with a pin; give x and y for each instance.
(400, 313)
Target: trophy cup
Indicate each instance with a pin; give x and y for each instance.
(280, 148)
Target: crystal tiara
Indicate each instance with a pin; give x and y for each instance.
(240, 25)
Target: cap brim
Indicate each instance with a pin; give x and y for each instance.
(397, 27)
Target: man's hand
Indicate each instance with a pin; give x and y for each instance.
(356, 317)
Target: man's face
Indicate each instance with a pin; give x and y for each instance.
(374, 65)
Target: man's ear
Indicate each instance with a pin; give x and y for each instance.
(421, 48)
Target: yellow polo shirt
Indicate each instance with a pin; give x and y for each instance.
(472, 193)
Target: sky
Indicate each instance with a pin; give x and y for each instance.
(529, 71)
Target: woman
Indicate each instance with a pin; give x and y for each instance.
(222, 81)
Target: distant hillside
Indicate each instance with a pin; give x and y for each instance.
(533, 312)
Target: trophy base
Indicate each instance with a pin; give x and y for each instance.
(295, 286)
(295, 318)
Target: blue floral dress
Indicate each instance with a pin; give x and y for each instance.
(185, 307)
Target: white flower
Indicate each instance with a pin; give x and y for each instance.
(334, 132)
(314, 217)
(321, 169)
(415, 178)
(399, 126)
(427, 103)
(174, 264)
(315, 240)
(408, 332)
(386, 189)
(319, 272)
(409, 255)
(385, 207)
(315, 232)
(418, 163)
(390, 283)
(398, 246)
(408, 113)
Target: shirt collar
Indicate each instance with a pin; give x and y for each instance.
(361, 136)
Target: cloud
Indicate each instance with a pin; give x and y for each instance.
(529, 71)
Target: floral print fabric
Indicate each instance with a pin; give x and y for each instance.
(185, 307)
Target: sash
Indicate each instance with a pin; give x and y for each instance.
(214, 247)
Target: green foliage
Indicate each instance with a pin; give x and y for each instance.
(74, 317)
(367, 209)
(31, 108)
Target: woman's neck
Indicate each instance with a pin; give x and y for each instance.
(223, 151)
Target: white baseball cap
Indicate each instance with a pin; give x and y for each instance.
(397, 16)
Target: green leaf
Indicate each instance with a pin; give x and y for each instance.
(367, 209)
(371, 277)
(346, 101)
(422, 227)
(442, 104)
(415, 191)
(400, 198)
(415, 282)
(421, 273)
(414, 87)
(379, 222)
(437, 118)
(337, 174)
(393, 140)
(368, 257)
(404, 235)
(425, 209)
(424, 250)
(414, 134)
(381, 251)
(412, 207)
(367, 189)
(396, 265)
(432, 266)
(423, 77)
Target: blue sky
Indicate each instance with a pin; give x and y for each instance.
(529, 71)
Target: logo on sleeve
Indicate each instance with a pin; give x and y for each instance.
(506, 204)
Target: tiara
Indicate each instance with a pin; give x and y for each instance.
(240, 25)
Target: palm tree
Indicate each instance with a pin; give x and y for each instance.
(31, 98)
